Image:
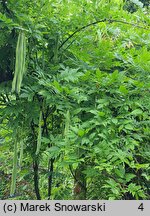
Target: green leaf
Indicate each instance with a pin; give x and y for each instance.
(120, 172)
(45, 140)
(115, 121)
(70, 74)
(81, 132)
(129, 127)
(129, 176)
(136, 112)
(53, 151)
(123, 90)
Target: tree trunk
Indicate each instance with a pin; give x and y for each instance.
(36, 179)
(50, 177)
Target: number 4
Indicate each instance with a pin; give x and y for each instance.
(141, 207)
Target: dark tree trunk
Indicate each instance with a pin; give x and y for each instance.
(35, 162)
(36, 179)
(50, 177)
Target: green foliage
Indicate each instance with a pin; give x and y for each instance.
(88, 75)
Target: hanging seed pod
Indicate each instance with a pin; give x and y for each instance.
(20, 63)
(14, 172)
(21, 152)
(56, 49)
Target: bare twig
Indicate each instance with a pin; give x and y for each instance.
(99, 21)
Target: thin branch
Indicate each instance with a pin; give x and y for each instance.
(69, 44)
(78, 30)
(127, 23)
(99, 21)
